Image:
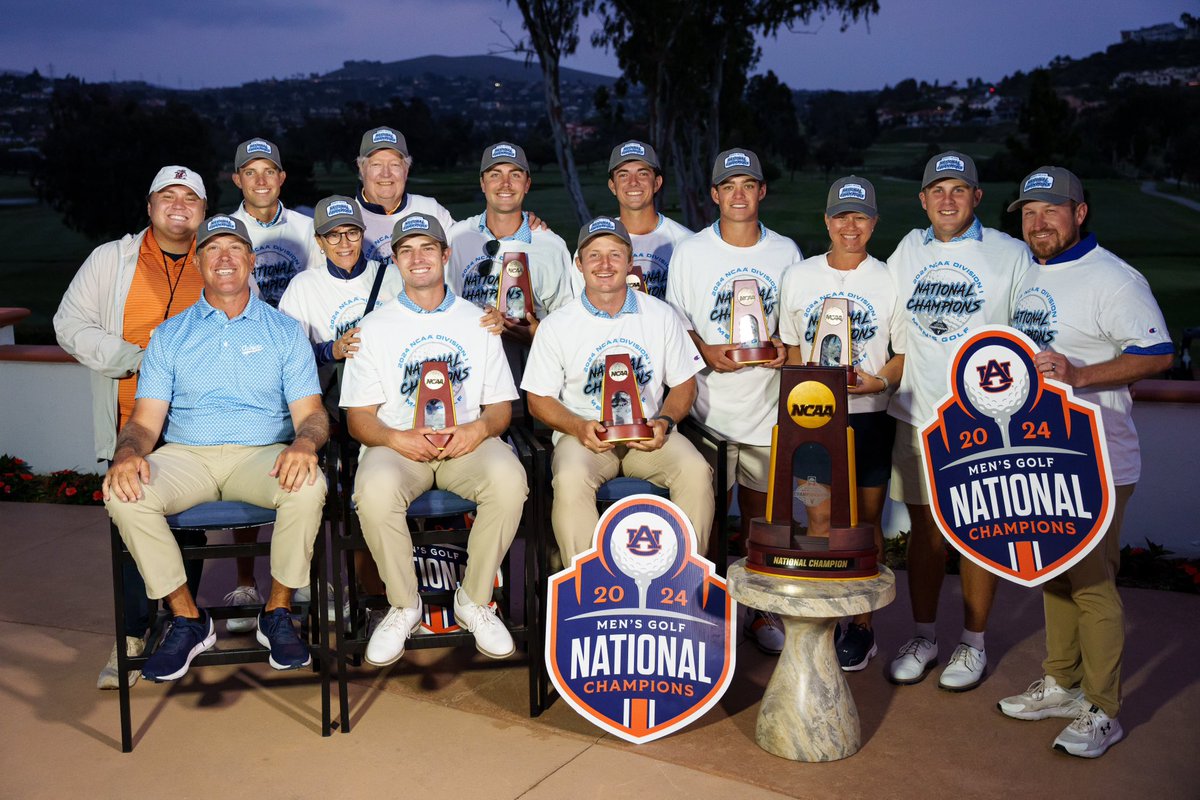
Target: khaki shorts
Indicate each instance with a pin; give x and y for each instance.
(748, 465)
(908, 472)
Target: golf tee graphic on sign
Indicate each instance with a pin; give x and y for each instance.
(1018, 469)
(640, 630)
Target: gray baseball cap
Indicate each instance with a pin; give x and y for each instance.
(384, 138)
(633, 150)
(222, 225)
(251, 149)
(503, 153)
(738, 161)
(334, 211)
(1055, 185)
(603, 226)
(417, 225)
(851, 193)
(950, 164)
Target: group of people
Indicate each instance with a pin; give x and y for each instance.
(231, 339)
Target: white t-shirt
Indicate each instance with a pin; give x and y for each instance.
(651, 251)
(396, 343)
(281, 251)
(944, 291)
(549, 262)
(567, 358)
(872, 298)
(1091, 310)
(326, 307)
(739, 405)
(377, 240)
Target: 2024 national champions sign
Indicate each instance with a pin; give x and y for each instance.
(640, 638)
(1018, 467)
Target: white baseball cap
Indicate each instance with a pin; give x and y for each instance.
(178, 176)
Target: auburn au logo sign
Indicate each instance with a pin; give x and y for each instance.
(1018, 466)
(640, 638)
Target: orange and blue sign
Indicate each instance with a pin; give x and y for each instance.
(640, 633)
(1018, 467)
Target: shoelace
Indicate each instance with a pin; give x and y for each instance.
(242, 595)
(1037, 689)
(487, 616)
(914, 646)
(1086, 721)
(393, 619)
(966, 654)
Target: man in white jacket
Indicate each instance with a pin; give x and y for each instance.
(122, 291)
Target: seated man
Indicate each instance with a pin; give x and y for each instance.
(232, 379)
(427, 322)
(565, 374)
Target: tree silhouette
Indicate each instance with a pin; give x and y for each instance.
(103, 149)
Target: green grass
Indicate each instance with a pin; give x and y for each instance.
(1156, 236)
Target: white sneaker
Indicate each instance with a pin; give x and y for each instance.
(1090, 735)
(914, 660)
(1044, 698)
(304, 595)
(491, 634)
(965, 670)
(390, 636)
(766, 631)
(134, 646)
(242, 596)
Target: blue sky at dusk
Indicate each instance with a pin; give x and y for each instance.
(222, 43)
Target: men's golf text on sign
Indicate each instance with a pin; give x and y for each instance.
(1017, 466)
(640, 632)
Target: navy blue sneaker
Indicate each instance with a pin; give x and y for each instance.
(276, 632)
(184, 640)
(856, 647)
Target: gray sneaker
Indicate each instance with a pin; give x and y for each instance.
(242, 596)
(134, 646)
(1090, 735)
(1043, 699)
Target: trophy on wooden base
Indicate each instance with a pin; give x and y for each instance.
(831, 342)
(812, 416)
(623, 420)
(748, 325)
(435, 403)
(514, 292)
(636, 280)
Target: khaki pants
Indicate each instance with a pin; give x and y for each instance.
(578, 473)
(1085, 620)
(386, 484)
(182, 476)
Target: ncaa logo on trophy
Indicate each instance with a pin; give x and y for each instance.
(640, 627)
(1017, 465)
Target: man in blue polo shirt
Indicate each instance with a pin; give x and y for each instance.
(232, 380)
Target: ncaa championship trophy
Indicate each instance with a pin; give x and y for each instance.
(435, 403)
(635, 280)
(831, 342)
(748, 325)
(813, 416)
(514, 295)
(624, 420)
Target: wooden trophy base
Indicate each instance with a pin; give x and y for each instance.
(636, 432)
(754, 355)
(439, 440)
(847, 553)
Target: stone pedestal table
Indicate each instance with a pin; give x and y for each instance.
(807, 712)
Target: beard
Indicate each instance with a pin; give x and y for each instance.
(1045, 249)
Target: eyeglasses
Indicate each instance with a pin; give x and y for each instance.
(334, 237)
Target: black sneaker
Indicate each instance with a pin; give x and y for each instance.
(276, 632)
(856, 647)
(184, 640)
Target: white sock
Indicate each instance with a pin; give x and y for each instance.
(972, 638)
(927, 630)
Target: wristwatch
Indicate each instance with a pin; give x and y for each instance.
(886, 383)
(670, 423)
